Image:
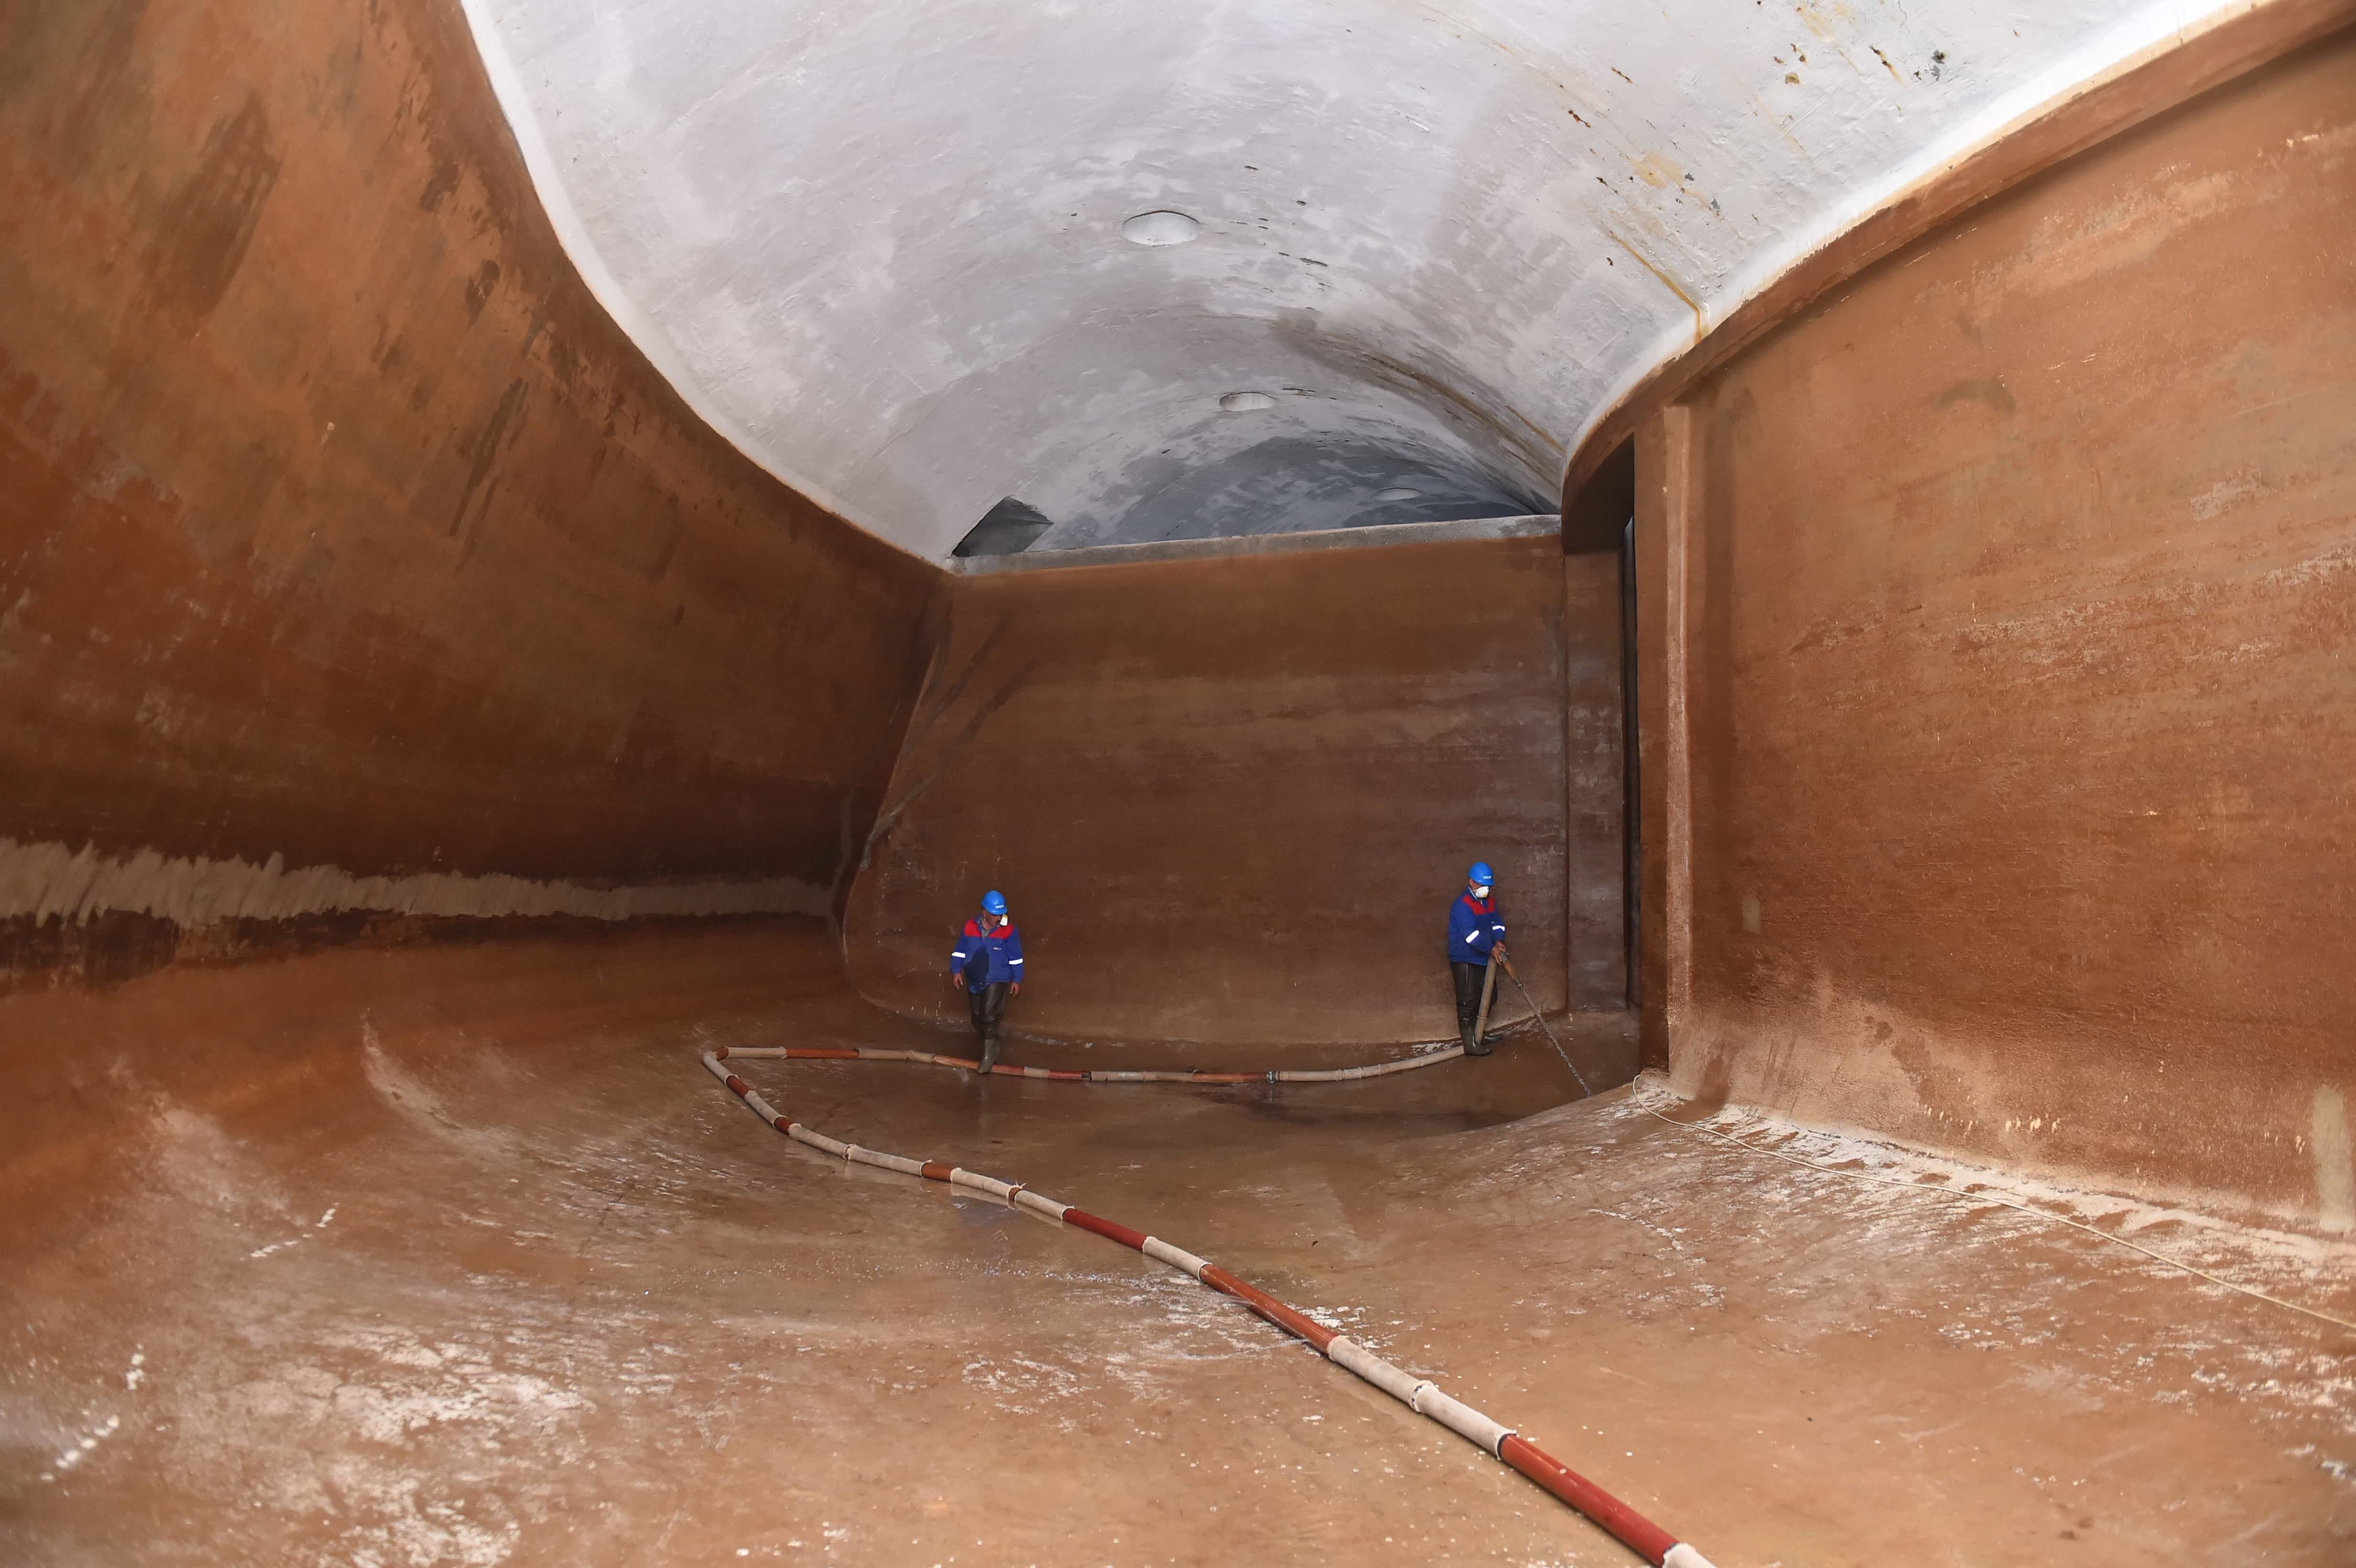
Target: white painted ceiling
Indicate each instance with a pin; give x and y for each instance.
(878, 242)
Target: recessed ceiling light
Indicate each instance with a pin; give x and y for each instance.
(1160, 229)
(1246, 402)
(1398, 493)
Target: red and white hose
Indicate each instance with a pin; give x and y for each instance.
(1640, 1534)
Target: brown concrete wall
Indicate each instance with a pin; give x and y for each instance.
(339, 525)
(2003, 609)
(1231, 797)
(1594, 785)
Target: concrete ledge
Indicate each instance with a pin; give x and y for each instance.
(1261, 544)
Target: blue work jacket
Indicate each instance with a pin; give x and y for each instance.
(988, 957)
(1475, 926)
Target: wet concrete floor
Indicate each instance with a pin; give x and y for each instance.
(488, 1271)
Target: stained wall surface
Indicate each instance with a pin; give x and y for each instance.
(1231, 797)
(2017, 686)
(351, 559)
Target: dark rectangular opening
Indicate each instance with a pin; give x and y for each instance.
(1008, 529)
(1631, 808)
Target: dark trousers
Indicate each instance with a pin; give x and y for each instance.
(986, 1008)
(1469, 979)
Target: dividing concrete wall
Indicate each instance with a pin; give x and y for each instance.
(1999, 672)
(1595, 785)
(352, 563)
(1231, 797)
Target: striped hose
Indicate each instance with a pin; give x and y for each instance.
(1640, 1534)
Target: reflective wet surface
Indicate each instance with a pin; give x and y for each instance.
(458, 1256)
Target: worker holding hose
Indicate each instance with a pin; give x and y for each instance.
(1476, 934)
(987, 962)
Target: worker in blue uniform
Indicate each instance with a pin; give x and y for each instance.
(1476, 935)
(988, 964)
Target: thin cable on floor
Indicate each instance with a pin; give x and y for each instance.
(2009, 1203)
(1538, 1016)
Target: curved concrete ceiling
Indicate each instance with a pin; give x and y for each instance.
(879, 245)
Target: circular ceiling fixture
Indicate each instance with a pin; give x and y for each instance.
(1162, 228)
(1246, 402)
(1398, 493)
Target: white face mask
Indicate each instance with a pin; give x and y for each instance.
(1480, 891)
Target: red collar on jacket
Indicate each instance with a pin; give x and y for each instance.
(1478, 906)
(973, 928)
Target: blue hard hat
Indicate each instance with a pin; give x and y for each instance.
(994, 902)
(1481, 875)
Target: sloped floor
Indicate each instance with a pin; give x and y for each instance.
(455, 1255)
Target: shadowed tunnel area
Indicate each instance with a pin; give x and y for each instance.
(541, 545)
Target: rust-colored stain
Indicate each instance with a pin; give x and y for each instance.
(479, 288)
(1667, 281)
(1547, 451)
(200, 238)
(1657, 170)
(483, 448)
(1460, 28)
(443, 182)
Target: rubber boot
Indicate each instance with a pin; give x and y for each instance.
(989, 1052)
(1474, 1047)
